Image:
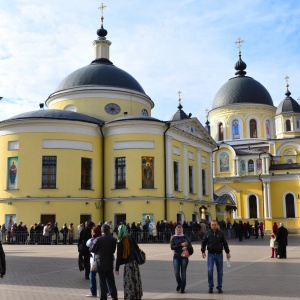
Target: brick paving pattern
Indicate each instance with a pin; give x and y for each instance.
(51, 272)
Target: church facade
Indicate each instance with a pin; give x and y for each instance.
(257, 165)
(96, 153)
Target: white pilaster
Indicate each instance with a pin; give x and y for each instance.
(211, 181)
(199, 173)
(169, 164)
(185, 171)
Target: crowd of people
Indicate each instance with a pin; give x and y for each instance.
(148, 231)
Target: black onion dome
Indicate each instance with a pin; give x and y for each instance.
(240, 66)
(55, 114)
(288, 105)
(102, 32)
(180, 114)
(101, 72)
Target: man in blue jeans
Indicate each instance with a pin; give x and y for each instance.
(215, 240)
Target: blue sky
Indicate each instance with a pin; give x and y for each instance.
(167, 45)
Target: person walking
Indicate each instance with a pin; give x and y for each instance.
(282, 241)
(2, 262)
(104, 248)
(215, 241)
(125, 256)
(84, 236)
(180, 244)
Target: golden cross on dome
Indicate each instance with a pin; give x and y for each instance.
(206, 113)
(101, 7)
(287, 81)
(239, 42)
(179, 93)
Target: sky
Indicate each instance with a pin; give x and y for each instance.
(166, 45)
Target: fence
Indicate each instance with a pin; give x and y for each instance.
(140, 236)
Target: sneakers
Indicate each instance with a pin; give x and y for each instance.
(220, 291)
(90, 295)
(210, 290)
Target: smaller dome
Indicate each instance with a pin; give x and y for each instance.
(102, 32)
(180, 114)
(288, 105)
(55, 114)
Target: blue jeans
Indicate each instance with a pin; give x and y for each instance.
(211, 260)
(180, 265)
(93, 284)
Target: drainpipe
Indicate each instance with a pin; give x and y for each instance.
(165, 170)
(102, 174)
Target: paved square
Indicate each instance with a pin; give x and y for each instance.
(51, 272)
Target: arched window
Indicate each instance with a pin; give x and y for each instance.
(221, 132)
(288, 125)
(252, 207)
(289, 206)
(253, 128)
(250, 165)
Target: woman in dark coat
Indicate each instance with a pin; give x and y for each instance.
(2, 262)
(125, 256)
(281, 239)
(180, 244)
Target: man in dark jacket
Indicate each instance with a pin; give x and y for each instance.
(84, 236)
(2, 262)
(104, 248)
(215, 240)
(281, 239)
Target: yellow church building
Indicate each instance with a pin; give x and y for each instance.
(96, 153)
(256, 166)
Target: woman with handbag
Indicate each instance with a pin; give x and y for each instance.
(182, 248)
(125, 256)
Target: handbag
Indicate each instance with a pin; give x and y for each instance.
(140, 256)
(190, 250)
(80, 262)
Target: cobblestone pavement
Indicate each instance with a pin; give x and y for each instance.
(51, 272)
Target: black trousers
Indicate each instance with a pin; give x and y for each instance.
(107, 278)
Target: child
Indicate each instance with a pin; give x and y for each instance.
(272, 244)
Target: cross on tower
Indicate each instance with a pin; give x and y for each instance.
(101, 7)
(179, 93)
(239, 42)
(287, 80)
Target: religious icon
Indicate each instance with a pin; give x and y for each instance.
(12, 176)
(147, 172)
(224, 162)
(235, 129)
(268, 132)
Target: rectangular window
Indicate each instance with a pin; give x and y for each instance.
(147, 172)
(49, 172)
(86, 173)
(120, 172)
(203, 182)
(176, 176)
(191, 179)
